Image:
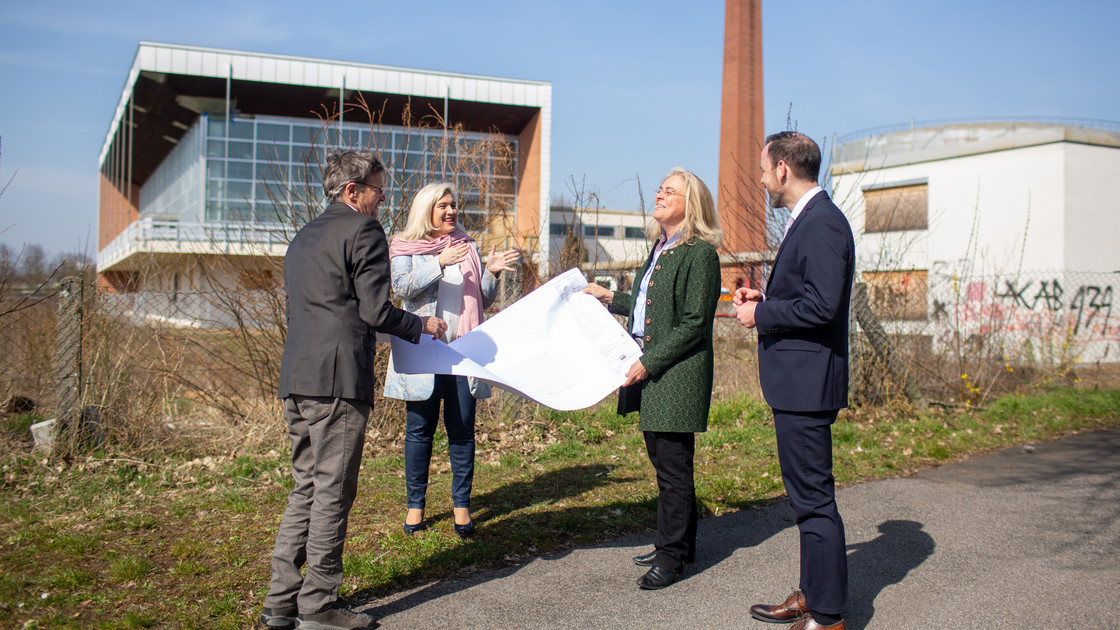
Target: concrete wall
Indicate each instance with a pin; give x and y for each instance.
(1020, 248)
(994, 212)
(1092, 218)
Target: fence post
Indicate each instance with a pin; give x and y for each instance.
(879, 341)
(68, 365)
(510, 286)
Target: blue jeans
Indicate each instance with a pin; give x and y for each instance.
(458, 419)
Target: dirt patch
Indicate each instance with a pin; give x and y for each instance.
(1100, 376)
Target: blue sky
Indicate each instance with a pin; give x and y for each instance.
(636, 85)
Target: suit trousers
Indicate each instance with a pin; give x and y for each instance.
(671, 454)
(327, 438)
(805, 457)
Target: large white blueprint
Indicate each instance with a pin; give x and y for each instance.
(557, 346)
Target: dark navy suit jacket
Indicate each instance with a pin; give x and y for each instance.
(803, 323)
(336, 274)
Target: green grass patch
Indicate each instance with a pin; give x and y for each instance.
(136, 619)
(71, 578)
(129, 568)
(239, 502)
(117, 542)
(563, 451)
(188, 568)
(76, 543)
(19, 423)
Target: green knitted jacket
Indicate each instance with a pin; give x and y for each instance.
(680, 308)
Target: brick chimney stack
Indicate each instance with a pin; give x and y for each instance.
(740, 198)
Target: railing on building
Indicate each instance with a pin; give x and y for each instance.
(142, 234)
(872, 132)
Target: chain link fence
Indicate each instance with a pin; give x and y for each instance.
(966, 338)
(133, 365)
(27, 345)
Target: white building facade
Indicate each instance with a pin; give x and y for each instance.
(609, 244)
(1006, 226)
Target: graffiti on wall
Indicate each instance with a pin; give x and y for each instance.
(1065, 310)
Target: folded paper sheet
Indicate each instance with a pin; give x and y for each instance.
(557, 346)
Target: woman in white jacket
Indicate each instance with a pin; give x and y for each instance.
(436, 269)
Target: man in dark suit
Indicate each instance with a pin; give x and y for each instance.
(336, 274)
(802, 322)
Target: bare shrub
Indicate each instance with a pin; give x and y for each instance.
(208, 359)
(736, 359)
(27, 334)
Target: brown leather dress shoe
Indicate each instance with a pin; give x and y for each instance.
(792, 609)
(808, 623)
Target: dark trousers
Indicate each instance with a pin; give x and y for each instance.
(327, 437)
(421, 420)
(671, 454)
(805, 456)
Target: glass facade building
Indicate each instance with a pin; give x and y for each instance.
(266, 171)
(213, 158)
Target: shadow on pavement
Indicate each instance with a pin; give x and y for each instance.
(719, 537)
(550, 487)
(880, 562)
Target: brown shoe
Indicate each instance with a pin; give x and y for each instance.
(792, 609)
(808, 623)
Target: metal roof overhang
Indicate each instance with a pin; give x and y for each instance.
(170, 86)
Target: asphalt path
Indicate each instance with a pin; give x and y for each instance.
(1027, 537)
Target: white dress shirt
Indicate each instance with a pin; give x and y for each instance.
(638, 317)
(449, 300)
(801, 203)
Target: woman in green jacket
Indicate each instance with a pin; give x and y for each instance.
(671, 313)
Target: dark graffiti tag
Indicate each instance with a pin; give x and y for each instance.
(1092, 308)
(1049, 291)
(1088, 312)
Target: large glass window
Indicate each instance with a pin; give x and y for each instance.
(270, 161)
(237, 169)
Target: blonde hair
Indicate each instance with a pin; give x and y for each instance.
(419, 224)
(701, 221)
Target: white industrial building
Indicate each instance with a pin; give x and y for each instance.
(612, 243)
(1008, 225)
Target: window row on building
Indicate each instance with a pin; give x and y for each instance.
(599, 231)
(267, 170)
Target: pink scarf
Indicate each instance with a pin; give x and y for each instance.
(472, 272)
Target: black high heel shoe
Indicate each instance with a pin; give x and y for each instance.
(412, 529)
(464, 531)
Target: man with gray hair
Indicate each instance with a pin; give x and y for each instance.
(336, 274)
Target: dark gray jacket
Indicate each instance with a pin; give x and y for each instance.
(336, 274)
